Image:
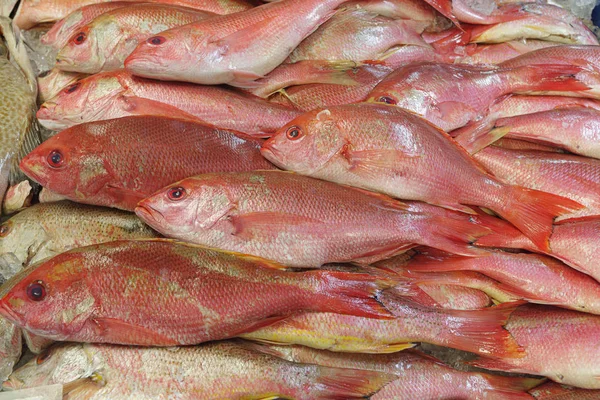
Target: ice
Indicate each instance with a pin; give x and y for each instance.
(52, 392)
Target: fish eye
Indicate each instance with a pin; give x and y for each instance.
(387, 100)
(293, 133)
(176, 193)
(79, 38)
(4, 230)
(71, 88)
(36, 291)
(156, 40)
(42, 357)
(55, 159)
(44, 74)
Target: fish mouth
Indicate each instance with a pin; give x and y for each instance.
(13, 383)
(148, 214)
(271, 154)
(28, 166)
(146, 66)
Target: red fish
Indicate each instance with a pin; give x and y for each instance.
(164, 293)
(391, 151)
(300, 221)
(117, 163)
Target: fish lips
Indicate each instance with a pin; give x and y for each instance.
(149, 215)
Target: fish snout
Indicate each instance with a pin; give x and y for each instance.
(13, 383)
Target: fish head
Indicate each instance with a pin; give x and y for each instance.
(62, 363)
(51, 82)
(92, 47)
(55, 36)
(71, 163)
(89, 99)
(165, 55)
(50, 299)
(307, 143)
(187, 206)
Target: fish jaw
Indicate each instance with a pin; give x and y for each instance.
(157, 61)
(32, 166)
(48, 118)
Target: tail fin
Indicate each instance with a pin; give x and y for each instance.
(482, 332)
(454, 235)
(493, 364)
(533, 212)
(344, 384)
(349, 293)
(546, 77)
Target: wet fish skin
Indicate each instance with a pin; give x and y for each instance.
(19, 130)
(32, 12)
(565, 175)
(45, 230)
(533, 277)
(63, 30)
(419, 376)
(173, 294)
(227, 370)
(116, 163)
(542, 331)
(118, 94)
(453, 297)
(399, 9)
(554, 391)
(106, 41)
(51, 82)
(300, 221)
(204, 52)
(389, 150)
(358, 35)
(429, 89)
(510, 106)
(500, 52)
(478, 331)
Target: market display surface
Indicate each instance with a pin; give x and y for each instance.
(299, 199)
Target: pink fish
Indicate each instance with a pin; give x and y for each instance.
(574, 177)
(358, 35)
(585, 57)
(555, 391)
(400, 9)
(118, 94)
(235, 48)
(575, 242)
(511, 106)
(429, 89)
(297, 220)
(533, 277)
(560, 344)
(392, 151)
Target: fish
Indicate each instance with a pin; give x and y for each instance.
(117, 94)
(34, 12)
(63, 30)
(555, 391)
(117, 163)
(10, 348)
(465, 279)
(533, 277)
(19, 129)
(420, 376)
(536, 21)
(106, 41)
(469, 136)
(51, 82)
(233, 49)
(224, 370)
(386, 149)
(477, 331)
(455, 297)
(570, 176)
(358, 35)
(429, 89)
(36, 344)
(300, 221)
(543, 332)
(158, 292)
(400, 9)
(587, 57)
(308, 97)
(573, 241)
(499, 52)
(303, 73)
(17, 197)
(44, 230)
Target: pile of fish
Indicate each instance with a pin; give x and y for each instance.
(286, 199)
